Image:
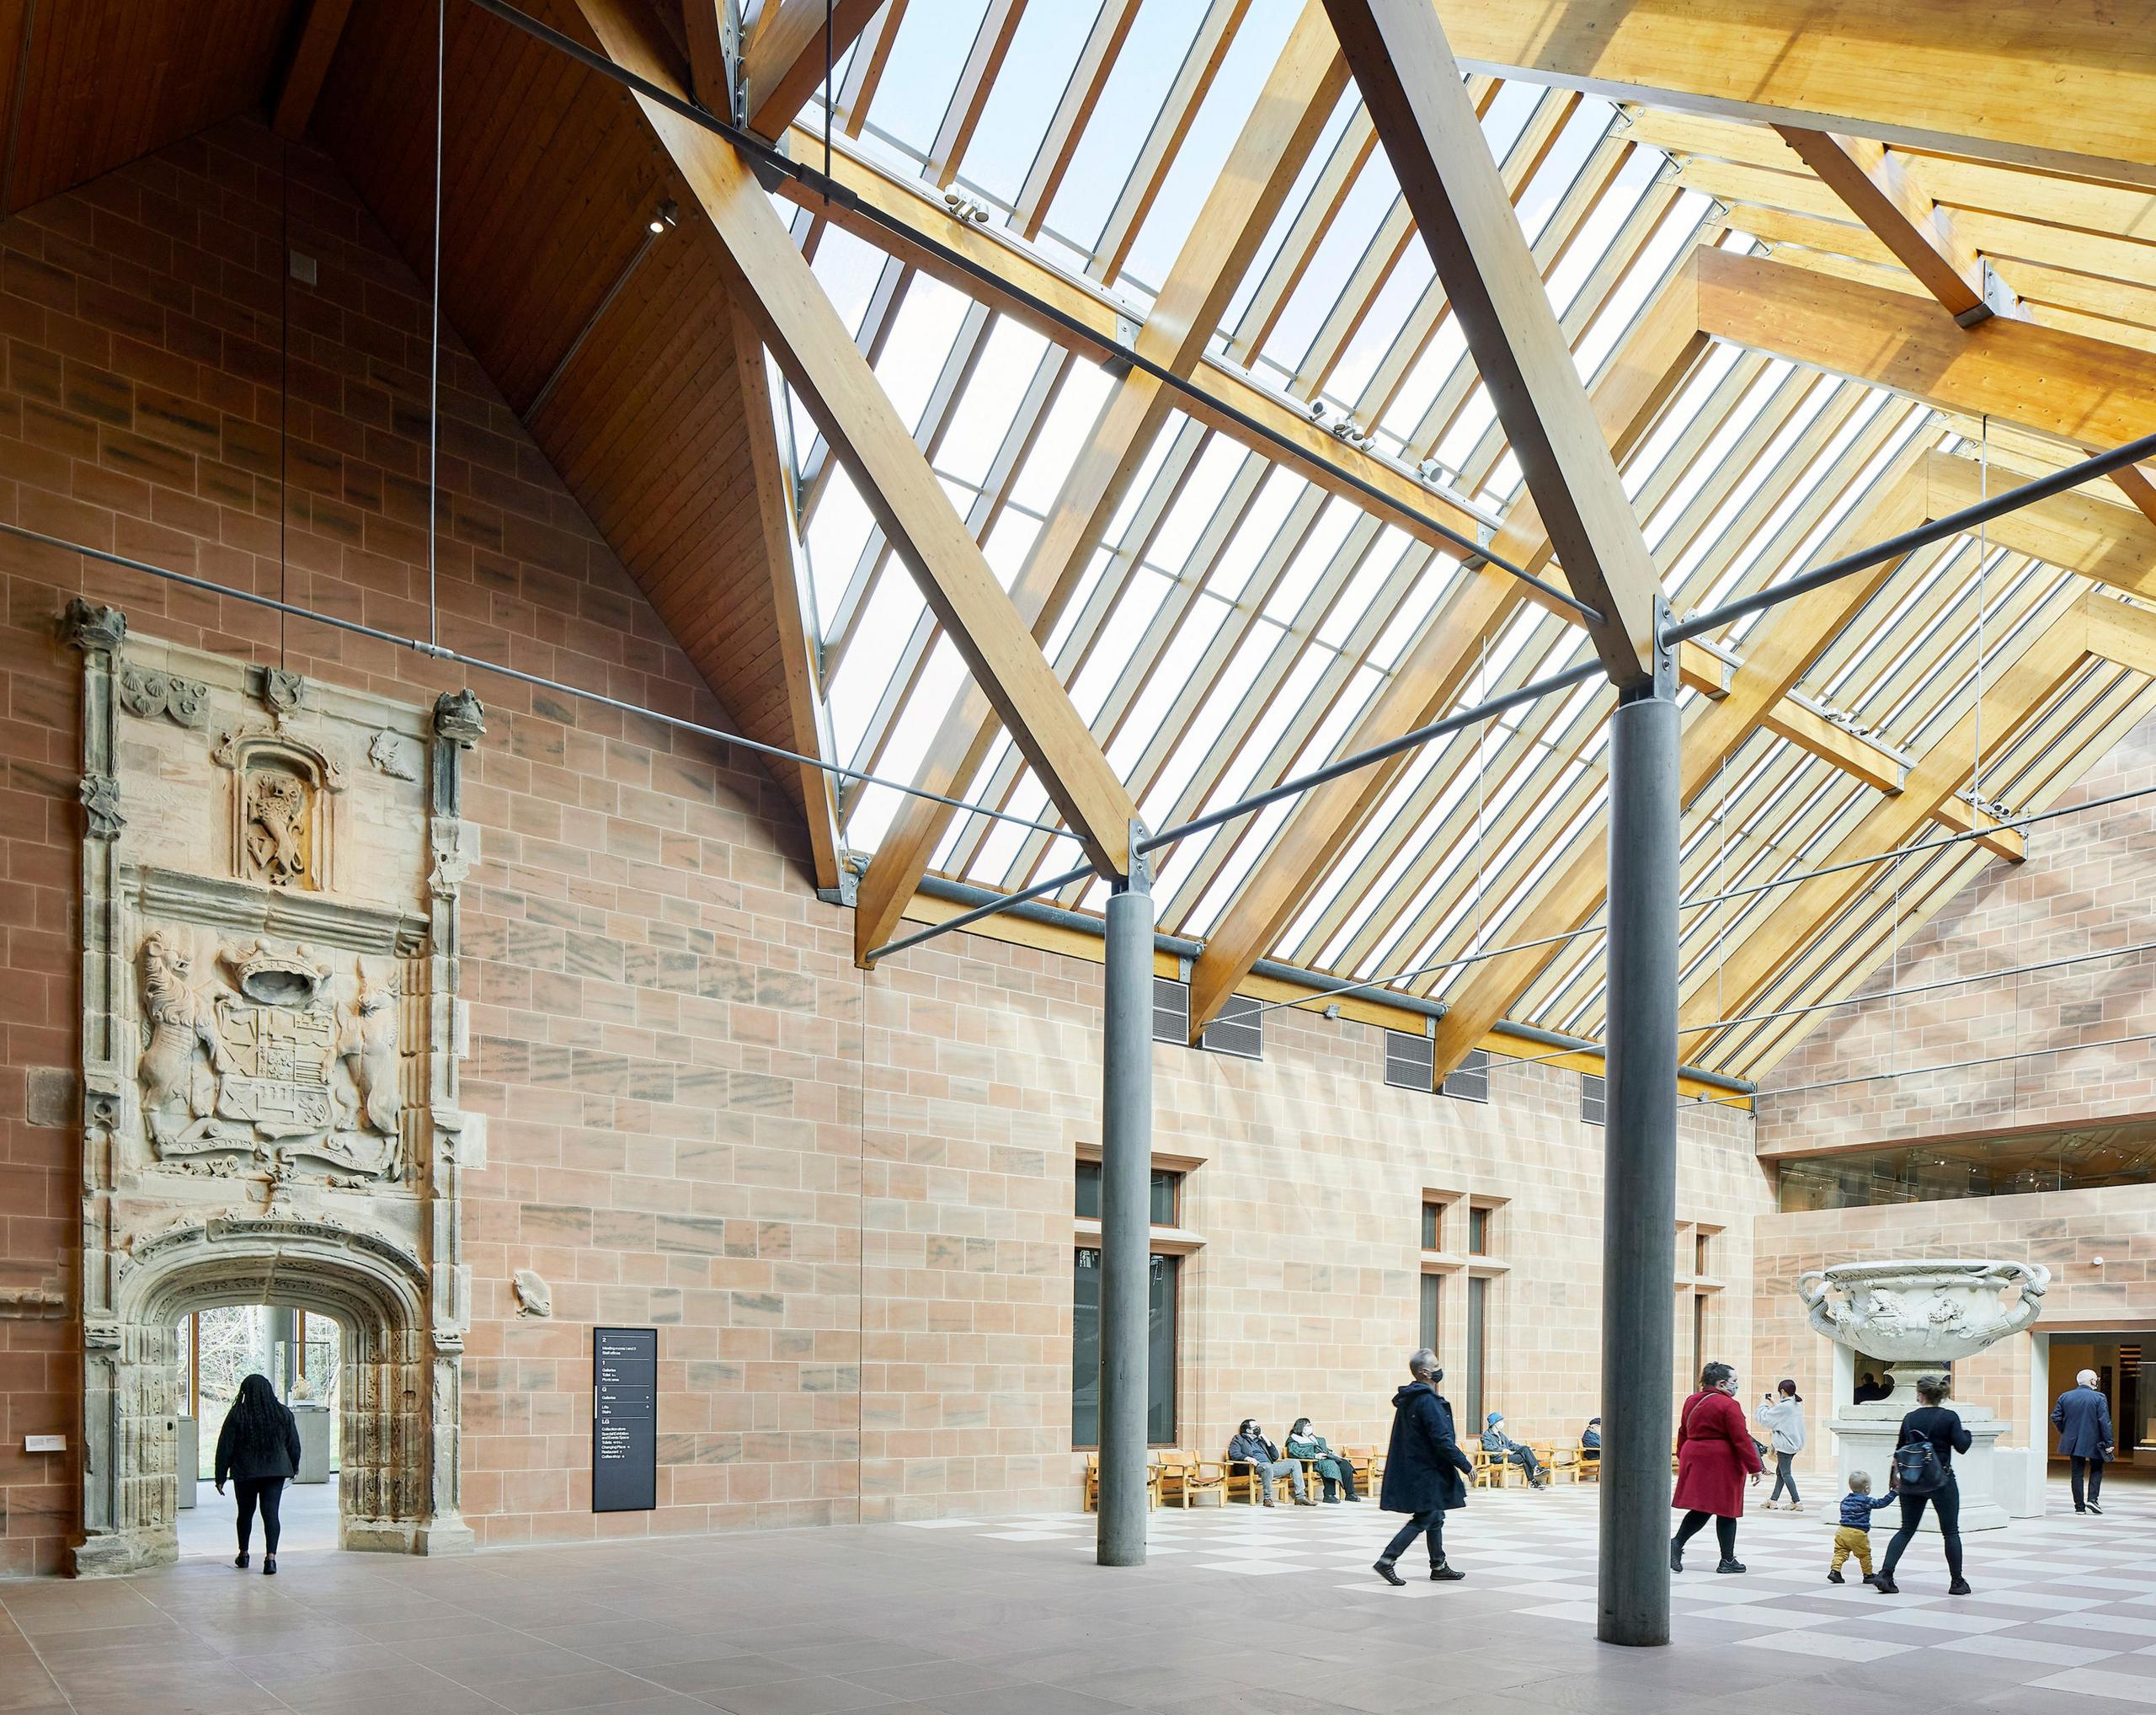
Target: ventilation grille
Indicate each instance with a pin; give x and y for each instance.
(1594, 1105)
(1471, 1080)
(1410, 1061)
(1171, 1011)
(1239, 1029)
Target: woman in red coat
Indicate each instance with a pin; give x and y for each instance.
(1714, 1453)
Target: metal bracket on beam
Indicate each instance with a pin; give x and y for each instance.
(1115, 363)
(1662, 682)
(1999, 299)
(1140, 877)
(736, 63)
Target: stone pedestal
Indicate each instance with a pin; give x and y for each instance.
(187, 1436)
(1865, 1439)
(313, 1419)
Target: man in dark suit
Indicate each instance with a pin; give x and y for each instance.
(1425, 1471)
(2082, 1418)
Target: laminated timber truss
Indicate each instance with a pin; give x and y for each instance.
(1092, 433)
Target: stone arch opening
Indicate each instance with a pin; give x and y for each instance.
(393, 1444)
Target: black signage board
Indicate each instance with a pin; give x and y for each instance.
(624, 1419)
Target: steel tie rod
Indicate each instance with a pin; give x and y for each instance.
(769, 161)
(1938, 529)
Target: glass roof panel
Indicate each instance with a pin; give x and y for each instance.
(1152, 54)
(1235, 620)
(1021, 101)
(926, 59)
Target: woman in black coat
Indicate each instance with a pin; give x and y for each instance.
(257, 1448)
(1425, 1471)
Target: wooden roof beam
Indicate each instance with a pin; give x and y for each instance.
(772, 283)
(807, 726)
(2087, 392)
(1809, 731)
(1298, 96)
(1883, 190)
(311, 53)
(710, 67)
(1782, 647)
(784, 60)
(1750, 962)
(1428, 127)
(1012, 277)
(1655, 360)
(2070, 89)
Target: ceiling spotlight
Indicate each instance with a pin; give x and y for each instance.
(667, 214)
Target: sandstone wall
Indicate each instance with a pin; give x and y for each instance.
(2088, 885)
(845, 1201)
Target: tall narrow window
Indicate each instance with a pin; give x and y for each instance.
(1698, 1335)
(1164, 1199)
(1478, 1307)
(1432, 1225)
(1434, 1310)
(1160, 1352)
(1478, 1232)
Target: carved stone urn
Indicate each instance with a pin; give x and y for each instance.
(1917, 1315)
(1927, 1311)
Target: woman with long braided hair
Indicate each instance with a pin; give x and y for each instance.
(257, 1448)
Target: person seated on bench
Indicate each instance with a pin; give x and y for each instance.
(1591, 1440)
(1251, 1448)
(1334, 1469)
(1496, 1441)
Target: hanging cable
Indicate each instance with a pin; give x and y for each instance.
(284, 389)
(828, 98)
(434, 341)
(1984, 568)
(441, 652)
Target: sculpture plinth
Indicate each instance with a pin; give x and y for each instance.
(1920, 1316)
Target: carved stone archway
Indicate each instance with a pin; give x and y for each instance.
(395, 1450)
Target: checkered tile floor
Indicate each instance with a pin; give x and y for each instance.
(2064, 1605)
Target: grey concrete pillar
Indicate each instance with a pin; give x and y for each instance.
(1126, 1227)
(1639, 1216)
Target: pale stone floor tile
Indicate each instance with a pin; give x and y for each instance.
(2099, 1682)
(1254, 1569)
(2027, 1649)
(1818, 1643)
(2044, 1599)
(2121, 1625)
(1938, 1619)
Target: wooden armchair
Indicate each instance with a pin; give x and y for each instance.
(1492, 1470)
(1153, 1469)
(1369, 1467)
(1184, 1478)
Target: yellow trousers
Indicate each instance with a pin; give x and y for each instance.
(1853, 1539)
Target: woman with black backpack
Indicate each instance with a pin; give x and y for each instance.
(1924, 1472)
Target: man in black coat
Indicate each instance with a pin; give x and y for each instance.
(1425, 1471)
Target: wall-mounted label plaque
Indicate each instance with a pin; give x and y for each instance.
(624, 1419)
